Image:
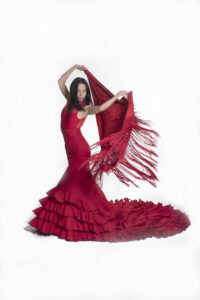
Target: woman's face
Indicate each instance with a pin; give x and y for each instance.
(81, 93)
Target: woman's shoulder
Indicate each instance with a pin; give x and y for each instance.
(74, 110)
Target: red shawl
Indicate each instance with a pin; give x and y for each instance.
(125, 142)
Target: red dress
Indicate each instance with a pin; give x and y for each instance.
(76, 209)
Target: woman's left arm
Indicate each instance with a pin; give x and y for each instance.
(99, 108)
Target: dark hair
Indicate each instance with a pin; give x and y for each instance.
(73, 101)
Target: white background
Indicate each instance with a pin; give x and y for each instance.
(149, 47)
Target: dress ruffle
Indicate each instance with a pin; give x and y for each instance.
(73, 219)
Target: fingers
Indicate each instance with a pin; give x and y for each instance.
(81, 67)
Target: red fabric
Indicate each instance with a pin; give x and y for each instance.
(127, 142)
(76, 209)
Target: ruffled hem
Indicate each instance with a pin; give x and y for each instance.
(140, 220)
(73, 219)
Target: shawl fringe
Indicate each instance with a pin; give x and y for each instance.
(123, 152)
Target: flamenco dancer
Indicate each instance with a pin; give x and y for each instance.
(76, 209)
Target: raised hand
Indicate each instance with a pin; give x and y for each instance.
(80, 67)
(122, 93)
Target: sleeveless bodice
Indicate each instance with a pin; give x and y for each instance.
(77, 148)
(70, 121)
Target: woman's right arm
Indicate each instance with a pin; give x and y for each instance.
(62, 80)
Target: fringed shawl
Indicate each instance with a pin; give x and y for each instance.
(126, 146)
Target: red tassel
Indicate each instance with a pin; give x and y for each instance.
(123, 151)
(125, 142)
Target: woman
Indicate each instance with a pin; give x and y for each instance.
(76, 209)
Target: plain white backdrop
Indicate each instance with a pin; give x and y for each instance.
(149, 47)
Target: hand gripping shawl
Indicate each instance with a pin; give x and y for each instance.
(127, 147)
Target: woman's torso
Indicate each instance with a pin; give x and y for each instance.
(77, 148)
(70, 120)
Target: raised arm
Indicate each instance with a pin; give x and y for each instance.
(90, 110)
(62, 80)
